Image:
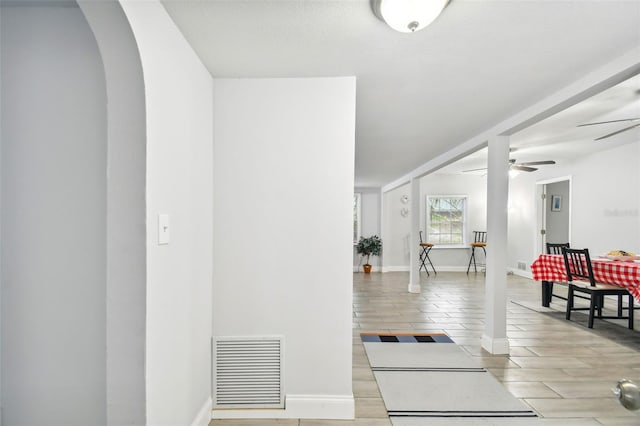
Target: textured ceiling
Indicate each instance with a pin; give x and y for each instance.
(418, 95)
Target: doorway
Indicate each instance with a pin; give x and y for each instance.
(554, 211)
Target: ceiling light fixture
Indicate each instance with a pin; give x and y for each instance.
(408, 16)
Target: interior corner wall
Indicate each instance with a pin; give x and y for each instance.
(179, 120)
(126, 221)
(53, 262)
(523, 230)
(283, 226)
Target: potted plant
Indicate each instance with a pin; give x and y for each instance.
(367, 247)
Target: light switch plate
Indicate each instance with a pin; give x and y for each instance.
(163, 229)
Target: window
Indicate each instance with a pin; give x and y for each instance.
(446, 220)
(357, 214)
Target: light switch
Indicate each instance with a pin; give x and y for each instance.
(163, 229)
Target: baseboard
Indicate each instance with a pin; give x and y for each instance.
(495, 346)
(455, 268)
(326, 407)
(438, 269)
(521, 273)
(395, 269)
(204, 415)
(337, 407)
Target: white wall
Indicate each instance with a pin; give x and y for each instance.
(397, 228)
(475, 188)
(605, 204)
(283, 209)
(126, 208)
(604, 209)
(179, 101)
(54, 145)
(369, 222)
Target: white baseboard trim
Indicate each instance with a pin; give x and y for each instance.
(395, 269)
(338, 407)
(438, 269)
(414, 288)
(204, 415)
(521, 273)
(326, 407)
(454, 269)
(495, 346)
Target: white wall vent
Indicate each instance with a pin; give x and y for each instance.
(247, 372)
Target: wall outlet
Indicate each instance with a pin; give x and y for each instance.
(522, 266)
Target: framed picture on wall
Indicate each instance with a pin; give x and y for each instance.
(556, 203)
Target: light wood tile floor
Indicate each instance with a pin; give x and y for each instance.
(563, 370)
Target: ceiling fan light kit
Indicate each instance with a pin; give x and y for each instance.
(408, 16)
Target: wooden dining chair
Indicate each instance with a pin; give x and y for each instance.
(556, 248)
(479, 241)
(581, 279)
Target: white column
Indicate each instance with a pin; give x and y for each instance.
(414, 239)
(494, 337)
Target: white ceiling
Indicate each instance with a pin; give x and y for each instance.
(419, 95)
(558, 138)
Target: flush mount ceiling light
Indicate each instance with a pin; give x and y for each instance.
(408, 16)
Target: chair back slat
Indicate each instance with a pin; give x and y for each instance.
(578, 265)
(556, 248)
(479, 236)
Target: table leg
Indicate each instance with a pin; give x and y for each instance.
(547, 291)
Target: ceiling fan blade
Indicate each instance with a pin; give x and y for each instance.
(619, 131)
(523, 168)
(610, 121)
(474, 170)
(536, 163)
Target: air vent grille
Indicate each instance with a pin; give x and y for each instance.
(247, 372)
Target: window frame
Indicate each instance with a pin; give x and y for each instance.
(427, 213)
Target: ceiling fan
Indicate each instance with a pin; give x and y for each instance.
(613, 121)
(523, 167)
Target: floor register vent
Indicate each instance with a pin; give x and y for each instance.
(247, 372)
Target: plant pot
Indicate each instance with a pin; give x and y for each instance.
(367, 268)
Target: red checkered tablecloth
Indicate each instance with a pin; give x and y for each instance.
(550, 267)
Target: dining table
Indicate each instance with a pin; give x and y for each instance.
(550, 268)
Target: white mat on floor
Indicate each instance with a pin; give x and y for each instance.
(399, 421)
(422, 382)
(384, 355)
(447, 394)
